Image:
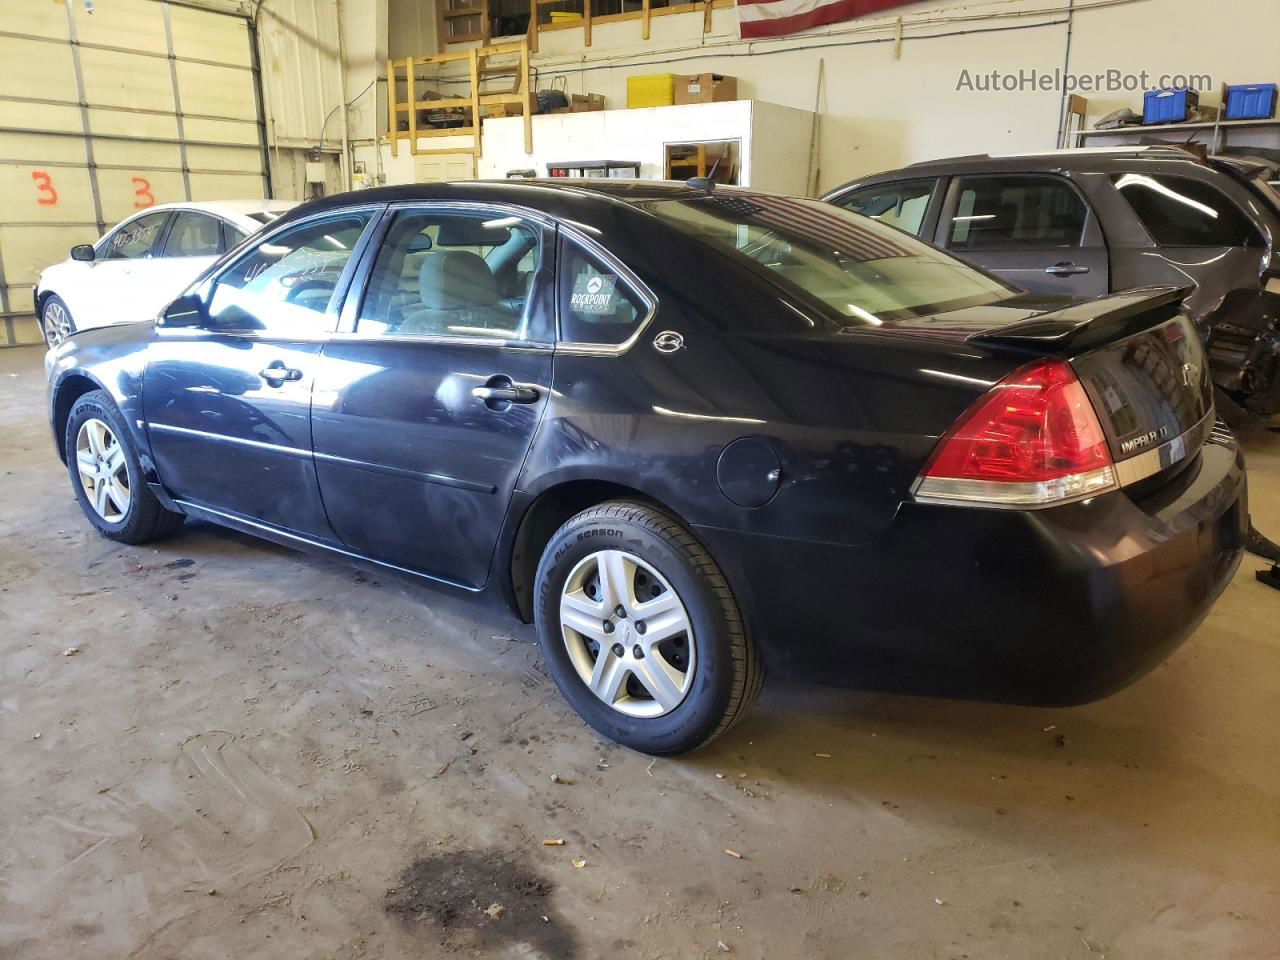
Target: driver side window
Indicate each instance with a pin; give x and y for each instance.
(284, 286)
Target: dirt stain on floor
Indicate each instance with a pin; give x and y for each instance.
(482, 901)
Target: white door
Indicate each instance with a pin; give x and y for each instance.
(444, 167)
(105, 291)
(106, 113)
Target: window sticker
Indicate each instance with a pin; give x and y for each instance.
(594, 294)
(135, 236)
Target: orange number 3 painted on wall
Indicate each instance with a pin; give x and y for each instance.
(143, 196)
(44, 185)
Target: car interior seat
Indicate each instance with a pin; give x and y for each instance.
(458, 295)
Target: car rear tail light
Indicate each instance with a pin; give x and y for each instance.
(1031, 441)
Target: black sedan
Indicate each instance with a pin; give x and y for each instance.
(690, 433)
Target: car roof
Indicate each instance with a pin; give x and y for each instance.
(238, 211)
(557, 197)
(1157, 159)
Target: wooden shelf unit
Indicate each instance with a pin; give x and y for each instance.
(480, 71)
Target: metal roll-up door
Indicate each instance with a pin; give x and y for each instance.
(107, 107)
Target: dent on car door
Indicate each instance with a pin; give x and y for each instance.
(228, 402)
(1035, 231)
(424, 411)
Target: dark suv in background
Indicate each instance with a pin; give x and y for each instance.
(1083, 223)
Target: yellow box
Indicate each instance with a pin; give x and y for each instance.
(559, 16)
(651, 90)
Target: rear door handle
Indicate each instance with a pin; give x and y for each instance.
(1065, 269)
(499, 392)
(276, 373)
(506, 394)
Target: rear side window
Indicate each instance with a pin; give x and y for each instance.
(231, 236)
(1014, 213)
(445, 273)
(1179, 212)
(900, 205)
(597, 305)
(193, 235)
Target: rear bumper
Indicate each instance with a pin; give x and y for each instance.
(1050, 607)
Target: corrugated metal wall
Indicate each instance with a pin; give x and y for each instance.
(108, 107)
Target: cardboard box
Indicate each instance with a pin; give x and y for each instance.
(705, 88)
(586, 104)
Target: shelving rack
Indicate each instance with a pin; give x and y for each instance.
(480, 71)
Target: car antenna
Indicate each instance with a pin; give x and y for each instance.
(708, 183)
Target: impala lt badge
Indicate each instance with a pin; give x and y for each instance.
(668, 341)
(1144, 440)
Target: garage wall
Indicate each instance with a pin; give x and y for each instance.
(107, 112)
(884, 105)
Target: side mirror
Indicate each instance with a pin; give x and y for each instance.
(82, 251)
(186, 311)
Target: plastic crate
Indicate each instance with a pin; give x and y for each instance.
(1251, 101)
(651, 90)
(1168, 106)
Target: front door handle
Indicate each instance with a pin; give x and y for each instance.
(276, 373)
(1065, 269)
(499, 392)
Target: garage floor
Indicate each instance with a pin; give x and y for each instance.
(256, 753)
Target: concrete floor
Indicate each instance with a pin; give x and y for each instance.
(260, 754)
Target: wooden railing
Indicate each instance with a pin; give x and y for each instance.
(475, 17)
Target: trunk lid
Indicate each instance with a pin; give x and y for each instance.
(1141, 361)
(1137, 354)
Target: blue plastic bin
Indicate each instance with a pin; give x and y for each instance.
(1251, 101)
(1168, 106)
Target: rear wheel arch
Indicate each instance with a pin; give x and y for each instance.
(545, 515)
(71, 389)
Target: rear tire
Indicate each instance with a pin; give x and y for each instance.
(666, 684)
(107, 477)
(56, 322)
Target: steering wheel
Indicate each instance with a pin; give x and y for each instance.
(306, 286)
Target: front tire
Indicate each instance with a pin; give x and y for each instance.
(640, 630)
(56, 322)
(107, 477)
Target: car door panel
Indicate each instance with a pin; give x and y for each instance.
(1034, 231)
(107, 291)
(229, 405)
(415, 469)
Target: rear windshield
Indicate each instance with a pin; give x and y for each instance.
(866, 273)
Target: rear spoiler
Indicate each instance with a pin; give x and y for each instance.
(1103, 318)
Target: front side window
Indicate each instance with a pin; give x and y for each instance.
(861, 272)
(1179, 212)
(452, 274)
(900, 205)
(193, 235)
(284, 286)
(1016, 213)
(597, 305)
(135, 239)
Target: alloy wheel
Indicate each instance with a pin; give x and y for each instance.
(627, 633)
(57, 324)
(103, 471)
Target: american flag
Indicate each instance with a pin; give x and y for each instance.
(775, 18)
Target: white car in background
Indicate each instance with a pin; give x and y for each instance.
(143, 263)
